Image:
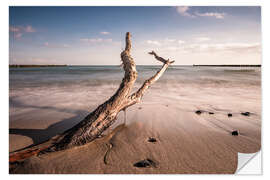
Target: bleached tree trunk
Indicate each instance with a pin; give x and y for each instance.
(105, 114)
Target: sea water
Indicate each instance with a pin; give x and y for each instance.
(46, 101)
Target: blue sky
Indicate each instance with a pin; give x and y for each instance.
(95, 35)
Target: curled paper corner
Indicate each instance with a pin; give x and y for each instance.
(249, 163)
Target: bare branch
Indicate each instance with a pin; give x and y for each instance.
(105, 114)
(136, 97)
(160, 58)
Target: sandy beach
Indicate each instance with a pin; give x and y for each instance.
(138, 89)
(186, 142)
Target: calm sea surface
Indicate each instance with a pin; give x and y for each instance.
(49, 100)
(94, 76)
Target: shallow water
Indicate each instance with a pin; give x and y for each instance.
(27, 84)
(47, 101)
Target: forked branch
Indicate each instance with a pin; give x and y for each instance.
(137, 96)
(105, 114)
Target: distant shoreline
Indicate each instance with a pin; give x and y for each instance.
(236, 65)
(52, 65)
(24, 66)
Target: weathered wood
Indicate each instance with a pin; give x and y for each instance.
(105, 114)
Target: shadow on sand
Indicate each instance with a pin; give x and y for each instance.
(41, 135)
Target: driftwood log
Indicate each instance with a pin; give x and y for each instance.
(105, 114)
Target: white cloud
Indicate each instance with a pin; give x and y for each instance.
(183, 10)
(231, 47)
(19, 31)
(238, 47)
(211, 14)
(14, 29)
(157, 43)
(181, 42)
(46, 44)
(202, 39)
(33, 60)
(55, 45)
(95, 40)
(66, 45)
(17, 35)
(214, 48)
(167, 40)
(105, 33)
(29, 29)
(204, 45)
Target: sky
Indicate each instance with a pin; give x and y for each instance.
(95, 35)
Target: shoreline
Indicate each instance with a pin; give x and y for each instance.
(194, 65)
(185, 142)
(31, 66)
(230, 65)
(179, 132)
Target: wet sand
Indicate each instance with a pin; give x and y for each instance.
(186, 142)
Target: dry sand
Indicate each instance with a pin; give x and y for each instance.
(186, 142)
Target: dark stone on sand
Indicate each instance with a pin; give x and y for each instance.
(151, 139)
(245, 113)
(235, 133)
(139, 107)
(229, 115)
(145, 163)
(198, 112)
(211, 113)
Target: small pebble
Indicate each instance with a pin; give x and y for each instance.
(145, 163)
(211, 113)
(151, 139)
(229, 115)
(235, 133)
(246, 113)
(198, 112)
